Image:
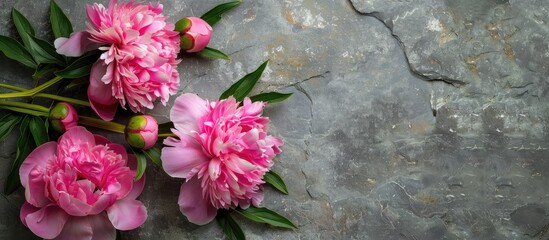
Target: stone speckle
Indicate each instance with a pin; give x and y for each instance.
(415, 119)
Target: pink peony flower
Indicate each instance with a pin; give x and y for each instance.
(139, 62)
(222, 151)
(80, 188)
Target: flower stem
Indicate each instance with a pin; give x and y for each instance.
(98, 123)
(30, 92)
(28, 106)
(11, 87)
(47, 95)
(25, 111)
(63, 99)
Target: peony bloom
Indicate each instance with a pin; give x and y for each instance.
(63, 116)
(139, 62)
(195, 34)
(80, 188)
(222, 151)
(141, 132)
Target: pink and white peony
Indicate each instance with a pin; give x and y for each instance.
(139, 62)
(80, 188)
(222, 150)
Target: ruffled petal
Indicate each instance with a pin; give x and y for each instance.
(47, 222)
(39, 157)
(187, 110)
(78, 135)
(191, 203)
(100, 94)
(127, 214)
(73, 206)
(180, 157)
(36, 189)
(76, 45)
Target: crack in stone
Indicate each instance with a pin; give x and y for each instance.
(322, 75)
(298, 87)
(242, 49)
(376, 15)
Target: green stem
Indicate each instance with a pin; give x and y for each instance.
(47, 95)
(11, 87)
(25, 105)
(63, 99)
(31, 92)
(98, 123)
(26, 111)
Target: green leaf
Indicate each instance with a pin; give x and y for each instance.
(141, 163)
(23, 26)
(264, 215)
(25, 145)
(242, 87)
(276, 181)
(230, 227)
(154, 155)
(165, 127)
(81, 67)
(271, 97)
(14, 50)
(60, 24)
(214, 15)
(38, 130)
(7, 123)
(214, 53)
(44, 52)
(43, 69)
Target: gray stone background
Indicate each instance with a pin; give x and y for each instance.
(410, 119)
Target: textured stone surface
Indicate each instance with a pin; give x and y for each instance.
(415, 119)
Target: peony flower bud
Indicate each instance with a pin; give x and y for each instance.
(63, 116)
(195, 34)
(141, 131)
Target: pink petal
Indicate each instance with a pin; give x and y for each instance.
(180, 157)
(101, 227)
(76, 45)
(101, 204)
(76, 228)
(36, 189)
(187, 110)
(73, 206)
(119, 149)
(38, 157)
(47, 222)
(127, 214)
(26, 209)
(94, 13)
(77, 135)
(191, 203)
(100, 94)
